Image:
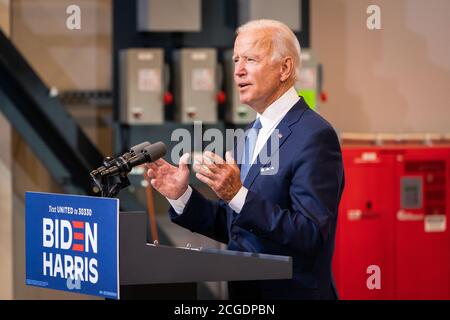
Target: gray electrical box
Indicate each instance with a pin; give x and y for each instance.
(236, 112)
(309, 84)
(142, 86)
(287, 11)
(196, 85)
(169, 15)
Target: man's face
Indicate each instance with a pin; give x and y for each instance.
(255, 74)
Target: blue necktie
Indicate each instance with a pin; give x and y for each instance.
(249, 146)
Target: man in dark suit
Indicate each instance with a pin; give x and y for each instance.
(286, 205)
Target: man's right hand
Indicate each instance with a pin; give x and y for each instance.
(169, 180)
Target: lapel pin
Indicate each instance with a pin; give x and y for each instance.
(280, 136)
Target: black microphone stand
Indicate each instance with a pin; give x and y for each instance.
(110, 185)
(112, 176)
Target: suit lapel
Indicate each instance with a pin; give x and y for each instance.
(284, 132)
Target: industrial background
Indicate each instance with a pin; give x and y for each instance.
(137, 70)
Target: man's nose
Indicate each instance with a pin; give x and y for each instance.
(239, 69)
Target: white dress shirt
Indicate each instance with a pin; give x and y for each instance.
(270, 118)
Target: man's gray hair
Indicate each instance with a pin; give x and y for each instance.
(284, 41)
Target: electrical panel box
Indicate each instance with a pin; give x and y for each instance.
(169, 15)
(287, 11)
(196, 85)
(236, 113)
(142, 86)
(393, 240)
(309, 84)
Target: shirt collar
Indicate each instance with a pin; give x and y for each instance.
(278, 109)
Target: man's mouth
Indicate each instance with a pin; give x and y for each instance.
(243, 85)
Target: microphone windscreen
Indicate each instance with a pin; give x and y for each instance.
(139, 147)
(156, 150)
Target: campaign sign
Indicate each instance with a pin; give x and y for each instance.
(72, 243)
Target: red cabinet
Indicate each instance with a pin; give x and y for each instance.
(422, 241)
(393, 224)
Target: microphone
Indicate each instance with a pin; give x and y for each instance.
(123, 165)
(136, 149)
(109, 161)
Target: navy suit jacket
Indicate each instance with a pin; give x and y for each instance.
(292, 213)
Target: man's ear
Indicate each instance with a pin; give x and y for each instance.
(286, 68)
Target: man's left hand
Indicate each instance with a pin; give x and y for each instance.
(222, 177)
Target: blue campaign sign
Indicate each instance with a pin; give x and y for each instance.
(72, 243)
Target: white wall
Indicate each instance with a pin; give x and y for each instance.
(6, 221)
(67, 59)
(396, 79)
